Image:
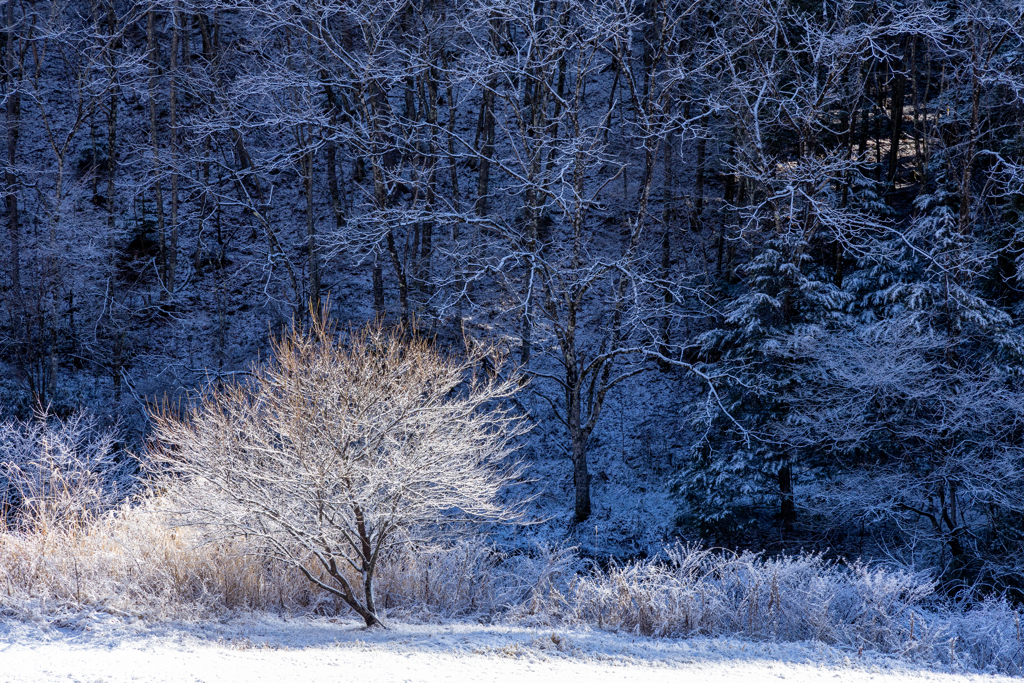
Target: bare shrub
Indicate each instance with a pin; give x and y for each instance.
(129, 563)
(73, 553)
(539, 582)
(444, 580)
(790, 598)
(986, 637)
(71, 543)
(340, 450)
(470, 578)
(701, 592)
(59, 473)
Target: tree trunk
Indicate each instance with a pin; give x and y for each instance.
(972, 145)
(668, 220)
(154, 72)
(345, 592)
(378, 289)
(172, 248)
(787, 506)
(331, 153)
(579, 437)
(581, 478)
(453, 171)
(896, 117)
(430, 95)
(13, 119)
(487, 149)
(403, 282)
(311, 242)
(865, 116)
(697, 222)
(111, 133)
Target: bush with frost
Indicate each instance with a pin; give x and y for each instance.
(696, 591)
(59, 472)
(342, 448)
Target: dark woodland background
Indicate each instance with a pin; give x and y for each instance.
(760, 260)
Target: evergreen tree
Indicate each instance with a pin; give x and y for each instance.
(739, 463)
(919, 404)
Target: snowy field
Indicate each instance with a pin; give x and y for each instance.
(109, 650)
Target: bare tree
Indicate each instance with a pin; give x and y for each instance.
(59, 472)
(541, 70)
(340, 449)
(924, 452)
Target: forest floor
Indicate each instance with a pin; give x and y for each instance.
(90, 649)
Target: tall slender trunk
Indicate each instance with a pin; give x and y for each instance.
(311, 241)
(112, 105)
(154, 73)
(331, 166)
(896, 117)
(222, 321)
(787, 505)
(851, 133)
(536, 131)
(730, 198)
(172, 248)
(580, 470)
(429, 95)
(378, 288)
(697, 221)
(331, 157)
(576, 421)
(377, 158)
(668, 220)
(13, 120)
(456, 196)
(117, 356)
(919, 97)
(972, 146)
(486, 149)
(879, 123)
(453, 171)
(865, 118)
(400, 272)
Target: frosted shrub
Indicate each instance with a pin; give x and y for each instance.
(987, 637)
(452, 580)
(536, 585)
(56, 473)
(128, 562)
(342, 449)
(69, 551)
(700, 592)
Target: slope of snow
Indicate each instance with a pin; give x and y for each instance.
(93, 649)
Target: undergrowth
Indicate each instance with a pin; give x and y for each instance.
(71, 548)
(702, 592)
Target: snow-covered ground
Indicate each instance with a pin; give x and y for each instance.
(90, 650)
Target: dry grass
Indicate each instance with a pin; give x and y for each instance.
(70, 550)
(130, 563)
(70, 544)
(700, 592)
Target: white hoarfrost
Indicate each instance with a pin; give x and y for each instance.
(274, 649)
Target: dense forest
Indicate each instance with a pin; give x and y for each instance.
(782, 236)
